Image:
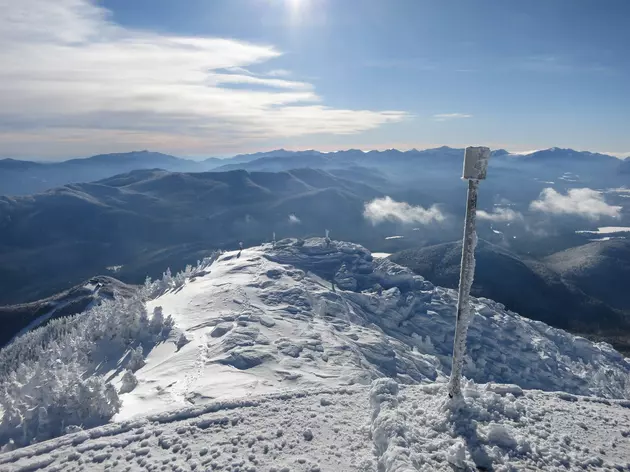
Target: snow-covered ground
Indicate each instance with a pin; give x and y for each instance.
(386, 428)
(266, 348)
(262, 320)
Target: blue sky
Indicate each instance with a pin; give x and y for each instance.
(219, 77)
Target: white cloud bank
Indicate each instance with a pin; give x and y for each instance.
(500, 215)
(71, 79)
(584, 202)
(450, 116)
(387, 209)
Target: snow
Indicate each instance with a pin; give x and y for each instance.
(608, 230)
(385, 427)
(266, 321)
(380, 255)
(394, 237)
(503, 431)
(266, 351)
(496, 231)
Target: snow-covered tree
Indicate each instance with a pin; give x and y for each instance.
(136, 359)
(48, 377)
(129, 382)
(182, 341)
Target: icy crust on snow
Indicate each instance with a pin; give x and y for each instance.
(495, 427)
(310, 431)
(267, 318)
(502, 346)
(385, 427)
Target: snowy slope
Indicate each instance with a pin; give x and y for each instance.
(265, 348)
(263, 320)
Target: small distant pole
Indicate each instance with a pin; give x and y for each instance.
(475, 167)
(328, 238)
(273, 241)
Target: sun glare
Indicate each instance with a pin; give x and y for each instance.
(297, 8)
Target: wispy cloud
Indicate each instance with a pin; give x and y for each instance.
(278, 73)
(294, 220)
(450, 116)
(69, 72)
(551, 63)
(584, 202)
(387, 209)
(500, 215)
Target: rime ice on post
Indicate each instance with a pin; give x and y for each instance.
(475, 167)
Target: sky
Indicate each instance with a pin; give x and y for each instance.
(201, 78)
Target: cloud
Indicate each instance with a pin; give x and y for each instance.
(500, 215)
(386, 209)
(68, 71)
(294, 220)
(559, 64)
(584, 202)
(450, 116)
(278, 73)
(619, 190)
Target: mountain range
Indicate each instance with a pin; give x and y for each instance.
(24, 177)
(136, 223)
(146, 220)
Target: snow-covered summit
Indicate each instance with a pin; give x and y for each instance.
(312, 355)
(269, 318)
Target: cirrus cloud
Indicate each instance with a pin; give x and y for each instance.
(387, 209)
(450, 116)
(75, 79)
(584, 202)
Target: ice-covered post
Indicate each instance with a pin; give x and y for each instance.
(475, 167)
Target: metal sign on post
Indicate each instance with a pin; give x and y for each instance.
(475, 168)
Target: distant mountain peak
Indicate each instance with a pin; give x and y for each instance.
(500, 152)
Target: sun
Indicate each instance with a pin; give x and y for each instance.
(297, 8)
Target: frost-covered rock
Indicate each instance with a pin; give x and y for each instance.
(345, 279)
(220, 329)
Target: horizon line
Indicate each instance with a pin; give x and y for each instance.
(618, 155)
